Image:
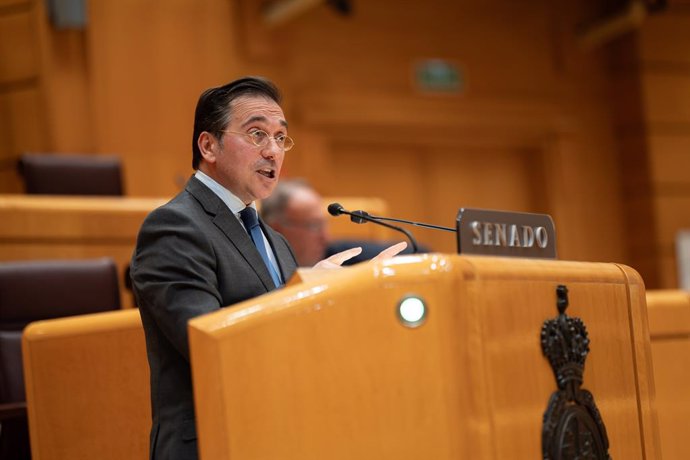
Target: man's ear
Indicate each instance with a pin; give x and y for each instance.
(208, 146)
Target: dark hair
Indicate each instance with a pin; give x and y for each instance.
(213, 108)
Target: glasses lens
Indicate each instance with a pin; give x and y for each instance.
(259, 138)
(287, 143)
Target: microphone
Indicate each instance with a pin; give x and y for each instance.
(360, 217)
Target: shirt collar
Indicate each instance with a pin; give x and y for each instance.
(230, 199)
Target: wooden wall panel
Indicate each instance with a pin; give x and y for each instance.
(582, 188)
(661, 180)
(667, 98)
(18, 51)
(514, 109)
(477, 178)
(67, 87)
(393, 174)
(662, 266)
(432, 185)
(669, 141)
(668, 268)
(148, 63)
(642, 232)
(25, 121)
(672, 216)
(6, 152)
(430, 120)
(352, 50)
(22, 129)
(670, 158)
(639, 233)
(128, 84)
(664, 40)
(14, 3)
(21, 119)
(633, 144)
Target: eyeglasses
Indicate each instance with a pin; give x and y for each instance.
(261, 138)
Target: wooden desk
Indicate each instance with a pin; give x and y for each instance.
(669, 328)
(50, 227)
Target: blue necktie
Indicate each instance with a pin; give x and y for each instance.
(251, 223)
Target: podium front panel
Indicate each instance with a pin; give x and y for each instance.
(326, 369)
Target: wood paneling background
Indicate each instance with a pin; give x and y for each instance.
(655, 140)
(540, 123)
(21, 121)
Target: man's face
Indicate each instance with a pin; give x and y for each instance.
(248, 171)
(304, 225)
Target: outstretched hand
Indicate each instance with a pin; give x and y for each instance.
(391, 251)
(336, 260)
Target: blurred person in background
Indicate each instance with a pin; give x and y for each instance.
(298, 212)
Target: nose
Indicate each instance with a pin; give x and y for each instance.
(272, 149)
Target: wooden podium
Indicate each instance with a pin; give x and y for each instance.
(87, 387)
(327, 369)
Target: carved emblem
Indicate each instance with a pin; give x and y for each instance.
(572, 428)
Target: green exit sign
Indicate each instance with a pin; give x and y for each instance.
(438, 76)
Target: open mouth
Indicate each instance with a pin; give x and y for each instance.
(270, 173)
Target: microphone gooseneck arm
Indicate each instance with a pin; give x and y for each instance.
(403, 221)
(360, 217)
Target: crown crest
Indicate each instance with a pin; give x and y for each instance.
(572, 426)
(565, 344)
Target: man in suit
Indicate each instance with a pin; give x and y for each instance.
(205, 249)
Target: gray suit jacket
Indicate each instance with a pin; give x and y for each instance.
(192, 257)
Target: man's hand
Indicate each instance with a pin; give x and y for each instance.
(391, 251)
(336, 260)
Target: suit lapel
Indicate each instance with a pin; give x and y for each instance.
(224, 219)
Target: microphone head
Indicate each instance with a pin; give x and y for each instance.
(335, 209)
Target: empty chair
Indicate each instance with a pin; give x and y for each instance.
(35, 290)
(61, 174)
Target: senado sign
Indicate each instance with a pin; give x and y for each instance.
(503, 233)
